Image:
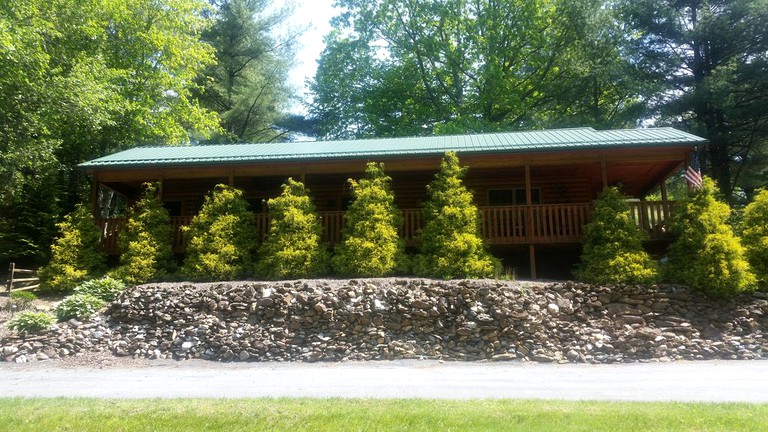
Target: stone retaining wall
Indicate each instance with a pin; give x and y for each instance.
(377, 319)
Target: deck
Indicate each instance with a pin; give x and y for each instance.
(508, 225)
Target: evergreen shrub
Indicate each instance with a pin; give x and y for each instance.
(371, 245)
(106, 288)
(754, 227)
(30, 322)
(292, 248)
(145, 244)
(222, 237)
(612, 249)
(706, 255)
(75, 255)
(78, 306)
(451, 243)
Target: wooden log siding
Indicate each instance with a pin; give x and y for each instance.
(503, 225)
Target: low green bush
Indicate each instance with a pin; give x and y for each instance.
(292, 248)
(451, 243)
(22, 299)
(706, 255)
(222, 237)
(75, 255)
(371, 245)
(106, 288)
(79, 306)
(30, 322)
(754, 228)
(613, 245)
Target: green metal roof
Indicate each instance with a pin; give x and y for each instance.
(492, 143)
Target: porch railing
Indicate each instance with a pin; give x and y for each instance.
(544, 223)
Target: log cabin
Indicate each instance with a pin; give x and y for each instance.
(534, 189)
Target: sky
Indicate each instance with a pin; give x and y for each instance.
(314, 16)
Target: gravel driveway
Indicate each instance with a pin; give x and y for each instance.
(711, 381)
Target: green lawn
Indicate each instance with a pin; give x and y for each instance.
(372, 415)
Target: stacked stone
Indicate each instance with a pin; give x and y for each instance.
(378, 319)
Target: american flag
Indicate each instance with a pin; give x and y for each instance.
(693, 173)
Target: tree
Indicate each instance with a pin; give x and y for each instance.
(451, 244)
(292, 248)
(371, 245)
(80, 79)
(145, 244)
(612, 248)
(247, 86)
(712, 59)
(706, 254)
(75, 255)
(222, 237)
(755, 235)
(436, 66)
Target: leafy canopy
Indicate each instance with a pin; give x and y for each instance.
(755, 235)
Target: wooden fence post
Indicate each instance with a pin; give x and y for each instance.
(11, 269)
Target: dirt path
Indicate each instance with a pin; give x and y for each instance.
(712, 381)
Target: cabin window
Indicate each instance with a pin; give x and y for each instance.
(515, 196)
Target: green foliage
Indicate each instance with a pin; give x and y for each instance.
(76, 255)
(222, 237)
(754, 227)
(706, 254)
(292, 248)
(248, 85)
(78, 306)
(146, 241)
(30, 322)
(80, 79)
(451, 244)
(22, 299)
(106, 288)
(709, 58)
(371, 244)
(612, 248)
(452, 66)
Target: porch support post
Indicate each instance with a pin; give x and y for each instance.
(161, 186)
(664, 199)
(232, 177)
(529, 220)
(603, 172)
(95, 196)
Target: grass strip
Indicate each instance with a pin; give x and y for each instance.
(82, 415)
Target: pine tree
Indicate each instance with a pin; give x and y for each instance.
(451, 243)
(613, 250)
(755, 235)
(76, 254)
(706, 254)
(222, 237)
(292, 248)
(146, 241)
(371, 245)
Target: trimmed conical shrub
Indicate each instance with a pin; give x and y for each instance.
(451, 242)
(145, 244)
(292, 248)
(371, 245)
(706, 254)
(612, 249)
(76, 254)
(755, 235)
(222, 237)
